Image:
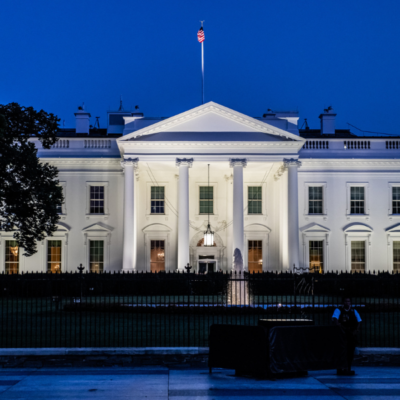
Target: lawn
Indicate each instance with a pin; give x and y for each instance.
(135, 321)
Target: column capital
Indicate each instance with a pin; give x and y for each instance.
(235, 162)
(129, 162)
(291, 162)
(184, 161)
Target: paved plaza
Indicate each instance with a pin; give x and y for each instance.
(160, 383)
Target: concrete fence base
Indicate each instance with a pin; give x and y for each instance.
(168, 357)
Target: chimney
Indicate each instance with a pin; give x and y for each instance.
(82, 120)
(328, 121)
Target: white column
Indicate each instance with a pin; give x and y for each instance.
(129, 251)
(183, 211)
(238, 214)
(293, 213)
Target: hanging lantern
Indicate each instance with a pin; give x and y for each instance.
(208, 234)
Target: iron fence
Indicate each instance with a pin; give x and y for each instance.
(177, 309)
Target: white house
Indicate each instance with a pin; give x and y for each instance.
(137, 195)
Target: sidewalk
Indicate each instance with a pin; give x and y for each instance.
(161, 383)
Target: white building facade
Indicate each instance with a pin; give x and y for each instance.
(138, 196)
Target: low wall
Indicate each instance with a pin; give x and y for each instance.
(170, 357)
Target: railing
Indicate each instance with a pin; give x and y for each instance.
(61, 144)
(392, 144)
(357, 144)
(176, 309)
(97, 144)
(316, 144)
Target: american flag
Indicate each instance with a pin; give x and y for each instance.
(200, 35)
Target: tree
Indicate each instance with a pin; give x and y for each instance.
(29, 189)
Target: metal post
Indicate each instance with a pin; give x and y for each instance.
(202, 71)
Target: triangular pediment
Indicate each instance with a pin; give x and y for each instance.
(211, 119)
(315, 228)
(98, 227)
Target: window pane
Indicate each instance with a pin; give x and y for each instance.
(96, 256)
(54, 256)
(357, 202)
(316, 256)
(12, 257)
(396, 256)
(396, 200)
(206, 200)
(157, 205)
(254, 200)
(358, 256)
(96, 199)
(315, 200)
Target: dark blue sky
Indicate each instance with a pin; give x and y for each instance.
(259, 54)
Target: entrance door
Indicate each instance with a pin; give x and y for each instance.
(157, 256)
(255, 256)
(207, 264)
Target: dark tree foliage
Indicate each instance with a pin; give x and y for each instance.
(29, 189)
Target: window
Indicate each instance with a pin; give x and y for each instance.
(157, 255)
(157, 200)
(395, 200)
(255, 256)
(12, 257)
(54, 256)
(96, 199)
(358, 256)
(96, 256)
(396, 256)
(315, 198)
(357, 200)
(206, 199)
(316, 258)
(254, 200)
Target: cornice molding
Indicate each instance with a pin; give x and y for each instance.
(278, 144)
(82, 161)
(345, 163)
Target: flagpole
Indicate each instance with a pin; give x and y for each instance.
(202, 69)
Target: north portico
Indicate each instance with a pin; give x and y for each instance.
(251, 200)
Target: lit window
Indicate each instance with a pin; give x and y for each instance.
(157, 256)
(96, 256)
(12, 257)
(396, 200)
(396, 256)
(157, 200)
(357, 200)
(316, 262)
(206, 200)
(358, 256)
(96, 199)
(255, 256)
(315, 200)
(254, 200)
(54, 256)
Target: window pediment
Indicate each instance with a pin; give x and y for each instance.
(156, 228)
(257, 228)
(315, 228)
(358, 228)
